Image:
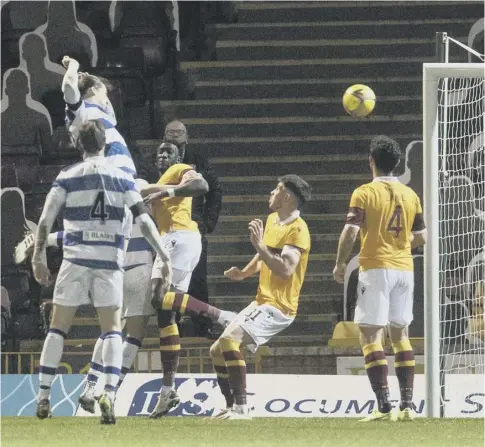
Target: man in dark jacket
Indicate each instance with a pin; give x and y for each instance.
(205, 211)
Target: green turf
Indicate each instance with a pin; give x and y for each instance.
(280, 432)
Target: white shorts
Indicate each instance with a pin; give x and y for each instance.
(137, 292)
(184, 248)
(261, 322)
(385, 296)
(77, 285)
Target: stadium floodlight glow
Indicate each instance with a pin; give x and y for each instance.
(454, 198)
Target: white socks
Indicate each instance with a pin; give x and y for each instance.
(112, 359)
(50, 358)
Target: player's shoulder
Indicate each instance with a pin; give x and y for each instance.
(363, 189)
(300, 225)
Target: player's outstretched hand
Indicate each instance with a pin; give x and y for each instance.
(339, 272)
(65, 61)
(256, 232)
(235, 273)
(41, 273)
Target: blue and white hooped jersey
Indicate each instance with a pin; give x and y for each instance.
(139, 251)
(95, 196)
(116, 151)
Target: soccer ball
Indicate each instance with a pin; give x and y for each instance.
(359, 100)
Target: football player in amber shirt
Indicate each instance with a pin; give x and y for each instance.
(171, 200)
(282, 249)
(390, 219)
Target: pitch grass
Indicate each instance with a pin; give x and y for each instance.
(199, 432)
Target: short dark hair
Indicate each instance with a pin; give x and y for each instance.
(301, 189)
(385, 152)
(92, 137)
(87, 81)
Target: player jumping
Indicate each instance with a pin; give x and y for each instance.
(171, 200)
(94, 195)
(390, 219)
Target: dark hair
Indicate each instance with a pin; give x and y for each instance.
(301, 189)
(91, 137)
(385, 152)
(87, 81)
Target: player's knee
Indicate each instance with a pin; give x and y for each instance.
(398, 331)
(165, 318)
(229, 343)
(135, 327)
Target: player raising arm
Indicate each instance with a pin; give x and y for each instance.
(282, 250)
(390, 219)
(94, 195)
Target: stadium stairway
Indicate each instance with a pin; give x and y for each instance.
(271, 104)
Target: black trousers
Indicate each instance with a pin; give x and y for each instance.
(198, 288)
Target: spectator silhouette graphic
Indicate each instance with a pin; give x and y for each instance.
(13, 228)
(25, 122)
(65, 35)
(45, 76)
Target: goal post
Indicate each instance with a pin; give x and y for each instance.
(453, 122)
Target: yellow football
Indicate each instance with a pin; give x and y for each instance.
(359, 100)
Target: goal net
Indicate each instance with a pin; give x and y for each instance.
(454, 202)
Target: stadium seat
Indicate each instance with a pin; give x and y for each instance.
(345, 334)
(13, 222)
(9, 176)
(125, 67)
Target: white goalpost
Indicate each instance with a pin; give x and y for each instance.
(454, 208)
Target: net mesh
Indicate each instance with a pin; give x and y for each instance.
(461, 114)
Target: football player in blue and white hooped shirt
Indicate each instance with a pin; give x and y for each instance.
(94, 195)
(86, 98)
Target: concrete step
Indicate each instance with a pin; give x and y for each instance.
(240, 245)
(312, 324)
(280, 107)
(322, 306)
(317, 223)
(217, 264)
(308, 126)
(321, 184)
(299, 164)
(251, 12)
(364, 29)
(315, 283)
(320, 204)
(305, 68)
(324, 303)
(236, 50)
(277, 146)
(306, 87)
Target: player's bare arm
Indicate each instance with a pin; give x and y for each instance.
(345, 245)
(70, 82)
(190, 186)
(418, 239)
(54, 202)
(253, 267)
(283, 264)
